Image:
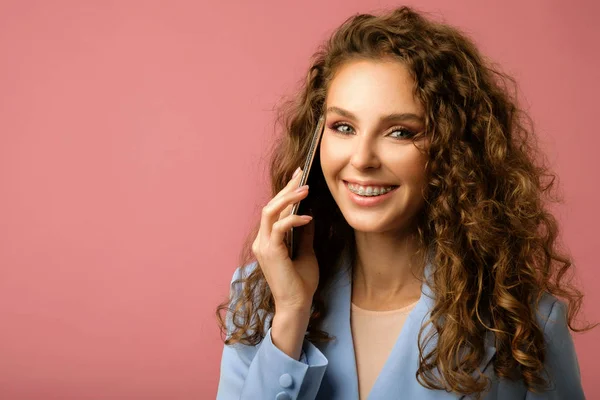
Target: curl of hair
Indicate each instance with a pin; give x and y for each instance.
(486, 214)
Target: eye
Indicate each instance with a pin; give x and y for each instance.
(407, 132)
(403, 131)
(335, 126)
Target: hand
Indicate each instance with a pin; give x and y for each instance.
(292, 283)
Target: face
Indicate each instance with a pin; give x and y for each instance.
(360, 145)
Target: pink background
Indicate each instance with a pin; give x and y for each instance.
(132, 139)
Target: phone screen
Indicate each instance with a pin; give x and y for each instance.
(292, 234)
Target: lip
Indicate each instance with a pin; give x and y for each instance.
(369, 183)
(368, 201)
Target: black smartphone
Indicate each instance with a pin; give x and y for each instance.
(292, 235)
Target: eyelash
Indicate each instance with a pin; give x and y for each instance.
(410, 133)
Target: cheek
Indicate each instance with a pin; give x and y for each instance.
(410, 166)
(330, 157)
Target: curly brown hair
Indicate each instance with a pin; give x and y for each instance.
(496, 247)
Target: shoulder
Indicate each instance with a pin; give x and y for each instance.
(238, 309)
(561, 367)
(243, 271)
(560, 361)
(239, 282)
(551, 314)
(240, 274)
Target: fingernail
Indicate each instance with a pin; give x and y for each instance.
(296, 172)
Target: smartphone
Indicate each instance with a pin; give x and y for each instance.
(292, 238)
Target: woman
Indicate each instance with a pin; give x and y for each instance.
(429, 268)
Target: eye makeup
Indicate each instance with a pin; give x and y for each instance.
(409, 133)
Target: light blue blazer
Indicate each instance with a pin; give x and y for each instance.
(327, 371)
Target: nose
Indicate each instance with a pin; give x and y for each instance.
(364, 154)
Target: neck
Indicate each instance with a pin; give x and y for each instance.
(387, 273)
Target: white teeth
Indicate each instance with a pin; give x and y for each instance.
(369, 190)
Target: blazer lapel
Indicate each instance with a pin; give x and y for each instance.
(398, 375)
(486, 364)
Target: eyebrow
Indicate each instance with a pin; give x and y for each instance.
(385, 118)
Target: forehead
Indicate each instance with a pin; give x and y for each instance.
(369, 86)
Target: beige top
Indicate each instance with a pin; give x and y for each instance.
(374, 334)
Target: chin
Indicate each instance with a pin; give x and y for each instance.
(367, 223)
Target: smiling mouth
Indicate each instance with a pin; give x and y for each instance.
(369, 191)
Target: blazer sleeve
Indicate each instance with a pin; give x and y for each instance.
(264, 371)
(561, 365)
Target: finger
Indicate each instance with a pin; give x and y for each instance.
(286, 211)
(291, 185)
(284, 225)
(265, 227)
(272, 211)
